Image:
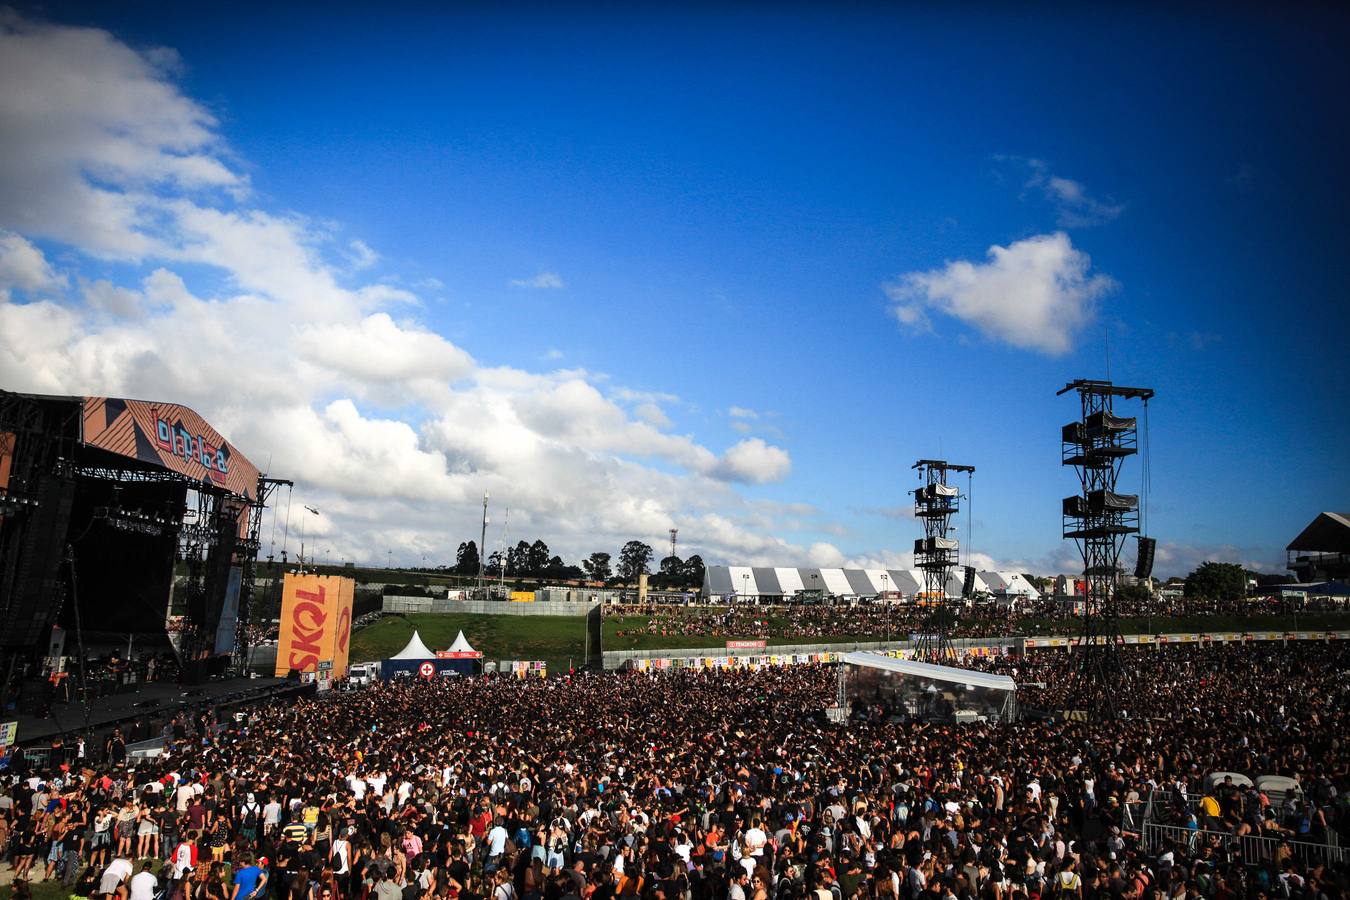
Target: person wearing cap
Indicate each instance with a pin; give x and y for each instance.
(250, 881)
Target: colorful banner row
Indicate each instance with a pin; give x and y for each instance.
(1221, 637)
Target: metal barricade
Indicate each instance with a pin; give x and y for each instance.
(1254, 849)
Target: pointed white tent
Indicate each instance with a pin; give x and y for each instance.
(461, 645)
(415, 649)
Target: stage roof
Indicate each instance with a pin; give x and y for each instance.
(170, 436)
(945, 674)
(1328, 533)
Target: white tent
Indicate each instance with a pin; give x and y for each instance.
(416, 649)
(461, 645)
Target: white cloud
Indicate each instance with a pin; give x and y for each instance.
(1074, 207)
(90, 129)
(740, 412)
(24, 266)
(391, 429)
(652, 415)
(362, 256)
(754, 462)
(542, 281)
(1036, 294)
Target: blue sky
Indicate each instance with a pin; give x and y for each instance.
(635, 221)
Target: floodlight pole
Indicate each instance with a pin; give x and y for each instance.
(1098, 520)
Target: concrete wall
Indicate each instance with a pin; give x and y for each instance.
(396, 604)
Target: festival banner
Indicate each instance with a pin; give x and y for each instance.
(171, 436)
(316, 623)
(745, 645)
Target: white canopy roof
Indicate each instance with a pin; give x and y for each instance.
(948, 674)
(461, 645)
(415, 649)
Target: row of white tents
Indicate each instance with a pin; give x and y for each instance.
(783, 584)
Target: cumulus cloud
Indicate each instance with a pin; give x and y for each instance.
(543, 281)
(1035, 294)
(754, 462)
(390, 428)
(24, 266)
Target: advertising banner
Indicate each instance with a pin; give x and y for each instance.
(316, 623)
(745, 645)
(171, 436)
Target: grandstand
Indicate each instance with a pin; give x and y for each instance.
(762, 584)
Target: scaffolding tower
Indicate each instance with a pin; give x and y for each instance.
(1098, 520)
(935, 502)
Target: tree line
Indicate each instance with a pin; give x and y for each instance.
(534, 560)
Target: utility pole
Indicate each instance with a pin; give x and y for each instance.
(482, 546)
(506, 517)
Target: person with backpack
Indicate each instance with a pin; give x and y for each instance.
(250, 817)
(1067, 881)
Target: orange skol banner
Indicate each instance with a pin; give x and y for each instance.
(316, 623)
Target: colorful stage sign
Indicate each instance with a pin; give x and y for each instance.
(316, 623)
(171, 436)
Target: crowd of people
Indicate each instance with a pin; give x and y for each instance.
(710, 785)
(894, 621)
(807, 622)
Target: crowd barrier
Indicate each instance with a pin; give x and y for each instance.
(1253, 849)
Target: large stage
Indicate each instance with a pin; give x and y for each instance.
(152, 701)
(121, 517)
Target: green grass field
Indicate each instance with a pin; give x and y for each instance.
(554, 639)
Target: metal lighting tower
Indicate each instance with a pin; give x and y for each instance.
(935, 502)
(674, 540)
(1099, 520)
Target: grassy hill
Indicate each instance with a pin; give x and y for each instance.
(555, 639)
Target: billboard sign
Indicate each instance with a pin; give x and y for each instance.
(171, 436)
(316, 623)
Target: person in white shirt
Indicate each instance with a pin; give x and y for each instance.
(183, 797)
(342, 851)
(755, 839)
(118, 871)
(496, 841)
(271, 816)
